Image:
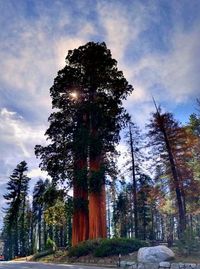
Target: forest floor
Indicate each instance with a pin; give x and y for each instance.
(61, 257)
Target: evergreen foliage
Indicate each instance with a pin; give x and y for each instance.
(106, 247)
(92, 75)
(16, 228)
(87, 95)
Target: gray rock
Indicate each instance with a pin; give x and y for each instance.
(133, 265)
(181, 265)
(127, 264)
(141, 266)
(175, 266)
(123, 263)
(190, 266)
(164, 265)
(130, 263)
(155, 254)
(151, 266)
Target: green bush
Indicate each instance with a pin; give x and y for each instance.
(106, 247)
(84, 248)
(189, 243)
(50, 244)
(116, 246)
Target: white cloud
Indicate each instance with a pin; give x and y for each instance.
(63, 45)
(17, 141)
(181, 65)
(176, 71)
(123, 24)
(17, 137)
(37, 173)
(170, 75)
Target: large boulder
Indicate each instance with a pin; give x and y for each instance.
(155, 254)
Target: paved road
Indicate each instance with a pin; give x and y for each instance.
(36, 265)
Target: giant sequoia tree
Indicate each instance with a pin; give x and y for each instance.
(87, 97)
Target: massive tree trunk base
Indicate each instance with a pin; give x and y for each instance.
(97, 206)
(80, 227)
(97, 216)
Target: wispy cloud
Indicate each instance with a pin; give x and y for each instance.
(123, 24)
(17, 139)
(176, 72)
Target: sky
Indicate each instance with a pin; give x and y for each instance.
(156, 44)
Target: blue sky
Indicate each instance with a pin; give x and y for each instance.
(156, 44)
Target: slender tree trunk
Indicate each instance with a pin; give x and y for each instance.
(44, 233)
(31, 235)
(69, 232)
(23, 232)
(16, 242)
(182, 221)
(108, 214)
(144, 222)
(191, 224)
(134, 183)
(39, 228)
(152, 224)
(180, 203)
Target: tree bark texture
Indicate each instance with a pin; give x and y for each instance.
(80, 227)
(97, 207)
(134, 183)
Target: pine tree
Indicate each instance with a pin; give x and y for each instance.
(135, 141)
(194, 129)
(164, 133)
(144, 208)
(38, 210)
(122, 211)
(15, 217)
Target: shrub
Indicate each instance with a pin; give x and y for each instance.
(50, 244)
(84, 248)
(189, 243)
(116, 246)
(106, 247)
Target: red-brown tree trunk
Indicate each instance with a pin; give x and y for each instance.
(80, 225)
(97, 207)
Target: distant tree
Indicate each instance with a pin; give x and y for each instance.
(38, 207)
(122, 212)
(135, 159)
(69, 214)
(194, 124)
(14, 223)
(87, 94)
(194, 129)
(29, 228)
(144, 207)
(164, 132)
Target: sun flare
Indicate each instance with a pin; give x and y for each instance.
(74, 95)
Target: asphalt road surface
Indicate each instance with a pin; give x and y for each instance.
(37, 265)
